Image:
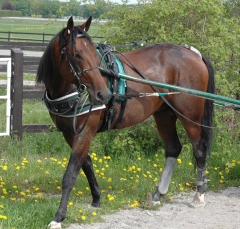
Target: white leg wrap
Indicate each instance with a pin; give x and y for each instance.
(54, 225)
(166, 175)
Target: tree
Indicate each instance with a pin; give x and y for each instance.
(23, 6)
(7, 6)
(49, 8)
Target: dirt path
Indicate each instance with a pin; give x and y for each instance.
(222, 211)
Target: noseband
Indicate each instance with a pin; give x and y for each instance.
(81, 87)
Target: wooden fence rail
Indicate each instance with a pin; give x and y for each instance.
(18, 94)
(21, 36)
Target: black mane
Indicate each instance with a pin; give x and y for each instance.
(45, 68)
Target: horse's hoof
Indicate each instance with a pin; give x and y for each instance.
(150, 201)
(156, 203)
(156, 199)
(96, 205)
(54, 225)
(198, 201)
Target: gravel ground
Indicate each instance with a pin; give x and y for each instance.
(222, 211)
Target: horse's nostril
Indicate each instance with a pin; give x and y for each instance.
(100, 96)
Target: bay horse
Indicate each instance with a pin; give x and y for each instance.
(69, 67)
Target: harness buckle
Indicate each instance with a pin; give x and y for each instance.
(82, 88)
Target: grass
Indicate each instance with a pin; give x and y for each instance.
(31, 172)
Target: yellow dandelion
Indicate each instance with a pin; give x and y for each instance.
(5, 167)
(227, 170)
(18, 168)
(94, 213)
(83, 218)
(70, 204)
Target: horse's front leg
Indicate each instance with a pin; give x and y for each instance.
(95, 190)
(79, 154)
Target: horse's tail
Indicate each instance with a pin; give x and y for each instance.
(207, 119)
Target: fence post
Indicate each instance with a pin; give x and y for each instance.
(9, 34)
(17, 92)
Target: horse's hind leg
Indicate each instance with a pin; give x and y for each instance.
(200, 146)
(166, 125)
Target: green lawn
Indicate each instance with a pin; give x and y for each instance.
(39, 26)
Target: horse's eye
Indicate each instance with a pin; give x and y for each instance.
(77, 55)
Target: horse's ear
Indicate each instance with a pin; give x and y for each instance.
(86, 25)
(70, 26)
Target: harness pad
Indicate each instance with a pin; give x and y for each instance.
(117, 68)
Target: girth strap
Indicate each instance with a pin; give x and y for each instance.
(112, 66)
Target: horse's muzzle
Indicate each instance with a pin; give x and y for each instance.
(100, 97)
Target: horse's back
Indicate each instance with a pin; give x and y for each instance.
(168, 63)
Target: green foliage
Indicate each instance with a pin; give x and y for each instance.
(142, 138)
(10, 13)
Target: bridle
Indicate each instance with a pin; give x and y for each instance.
(81, 87)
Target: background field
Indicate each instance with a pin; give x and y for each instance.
(47, 26)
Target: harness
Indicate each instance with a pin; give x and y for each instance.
(77, 103)
(116, 85)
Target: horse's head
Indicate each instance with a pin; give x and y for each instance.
(75, 55)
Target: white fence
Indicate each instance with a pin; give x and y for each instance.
(7, 97)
